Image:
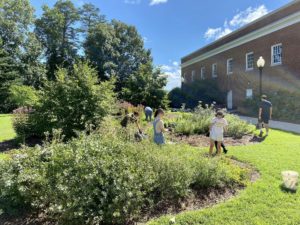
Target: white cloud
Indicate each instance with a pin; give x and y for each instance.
(239, 20)
(132, 2)
(157, 2)
(249, 15)
(173, 73)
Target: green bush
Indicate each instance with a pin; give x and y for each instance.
(70, 103)
(102, 179)
(199, 121)
(22, 95)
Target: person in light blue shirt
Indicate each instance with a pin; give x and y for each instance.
(148, 113)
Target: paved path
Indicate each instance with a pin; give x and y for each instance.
(291, 127)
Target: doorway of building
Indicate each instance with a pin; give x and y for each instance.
(229, 100)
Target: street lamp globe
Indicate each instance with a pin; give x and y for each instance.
(261, 62)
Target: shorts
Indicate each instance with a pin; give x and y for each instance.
(264, 120)
(216, 137)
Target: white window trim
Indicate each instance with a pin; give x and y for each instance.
(212, 70)
(272, 54)
(202, 73)
(247, 54)
(193, 75)
(228, 73)
(184, 78)
(249, 97)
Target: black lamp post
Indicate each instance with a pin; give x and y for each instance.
(260, 64)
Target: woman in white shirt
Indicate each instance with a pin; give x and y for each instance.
(159, 128)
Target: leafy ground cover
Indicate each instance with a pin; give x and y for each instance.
(104, 179)
(263, 202)
(6, 128)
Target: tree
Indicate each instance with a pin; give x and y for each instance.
(15, 18)
(116, 49)
(75, 99)
(33, 70)
(23, 96)
(58, 32)
(8, 76)
(90, 16)
(145, 87)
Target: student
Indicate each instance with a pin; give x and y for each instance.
(131, 118)
(217, 127)
(264, 114)
(148, 113)
(159, 128)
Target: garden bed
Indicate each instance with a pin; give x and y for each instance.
(203, 141)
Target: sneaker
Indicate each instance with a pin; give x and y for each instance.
(225, 151)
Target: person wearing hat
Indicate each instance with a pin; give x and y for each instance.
(217, 127)
(264, 114)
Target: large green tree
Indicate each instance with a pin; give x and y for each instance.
(8, 75)
(146, 87)
(15, 18)
(90, 16)
(116, 49)
(33, 70)
(58, 31)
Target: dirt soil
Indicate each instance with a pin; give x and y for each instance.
(203, 141)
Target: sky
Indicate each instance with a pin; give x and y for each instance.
(175, 28)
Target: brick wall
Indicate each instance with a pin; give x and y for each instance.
(285, 76)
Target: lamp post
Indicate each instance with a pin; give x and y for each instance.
(260, 64)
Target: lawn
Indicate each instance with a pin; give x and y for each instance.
(262, 202)
(6, 128)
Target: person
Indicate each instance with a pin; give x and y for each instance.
(264, 115)
(217, 127)
(131, 118)
(148, 113)
(225, 150)
(159, 128)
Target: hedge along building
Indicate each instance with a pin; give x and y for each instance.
(231, 60)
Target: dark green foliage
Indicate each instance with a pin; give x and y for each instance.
(90, 16)
(58, 33)
(117, 49)
(146, 87)
(8, 75)
(72, 102)
(102, 179)
(206, 91)
(286, 106)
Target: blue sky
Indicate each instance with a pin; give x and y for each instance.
(174, 28)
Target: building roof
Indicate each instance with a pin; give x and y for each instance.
(291, 8)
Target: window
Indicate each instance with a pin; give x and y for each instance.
(249, 93)
(193, 76)
(202, 73)
(276, 55)
(214, 70)
(229, 66)
(250, 61)
(183, 78)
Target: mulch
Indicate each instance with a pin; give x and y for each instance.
(204, 141)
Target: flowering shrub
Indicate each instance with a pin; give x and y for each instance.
(198, 122)
(102, 179)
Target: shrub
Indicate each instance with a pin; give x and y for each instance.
(22, 95)
(199, 121)
(71, 102)
(102, 179)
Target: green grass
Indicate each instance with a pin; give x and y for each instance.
(263, 202)
(6, 128)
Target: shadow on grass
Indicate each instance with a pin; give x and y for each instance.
(13, 144)
(286, 190)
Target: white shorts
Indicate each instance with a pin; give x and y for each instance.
(216, 137)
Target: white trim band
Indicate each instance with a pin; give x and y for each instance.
(278, 25)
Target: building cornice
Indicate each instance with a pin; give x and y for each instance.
(273, 27)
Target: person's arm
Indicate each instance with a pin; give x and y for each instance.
(259, 113)
(271, 112)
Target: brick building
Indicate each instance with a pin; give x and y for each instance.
(231, 60)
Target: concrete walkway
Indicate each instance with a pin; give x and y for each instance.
(291, 127)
